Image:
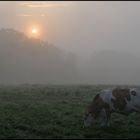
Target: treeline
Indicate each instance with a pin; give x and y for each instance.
(30, 60)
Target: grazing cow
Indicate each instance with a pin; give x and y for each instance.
(120, 100)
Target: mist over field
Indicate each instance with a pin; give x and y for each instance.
(34, 61)
(69, 42)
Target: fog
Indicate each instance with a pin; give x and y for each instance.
(80, 42)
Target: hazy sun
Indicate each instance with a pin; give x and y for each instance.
(34, 31)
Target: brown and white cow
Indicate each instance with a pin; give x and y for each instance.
(120, 100)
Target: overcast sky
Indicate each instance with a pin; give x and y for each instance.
(81, 27)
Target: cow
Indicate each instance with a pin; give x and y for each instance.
(108, 101)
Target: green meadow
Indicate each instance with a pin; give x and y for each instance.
(56, 112)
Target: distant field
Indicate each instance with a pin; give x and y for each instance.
(38, 111)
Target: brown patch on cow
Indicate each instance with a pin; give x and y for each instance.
(133, 93)
(120, 96)
(96, 106)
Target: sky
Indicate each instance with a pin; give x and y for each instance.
(85, 28)
(78, 26)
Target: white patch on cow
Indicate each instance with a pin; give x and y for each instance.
(106, 96)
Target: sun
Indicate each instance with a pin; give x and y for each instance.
(34, 31)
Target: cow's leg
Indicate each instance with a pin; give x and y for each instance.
(105, 122)
(105, 118)
(108, 114)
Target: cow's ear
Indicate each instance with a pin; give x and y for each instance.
(133, 93)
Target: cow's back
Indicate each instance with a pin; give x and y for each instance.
(122, 99)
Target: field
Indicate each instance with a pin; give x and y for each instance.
(41, 111)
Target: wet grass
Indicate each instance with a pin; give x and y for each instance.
(41, 112)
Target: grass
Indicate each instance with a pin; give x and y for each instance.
(48, 112)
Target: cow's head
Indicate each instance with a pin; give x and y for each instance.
(88, 119)
(94, 111)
